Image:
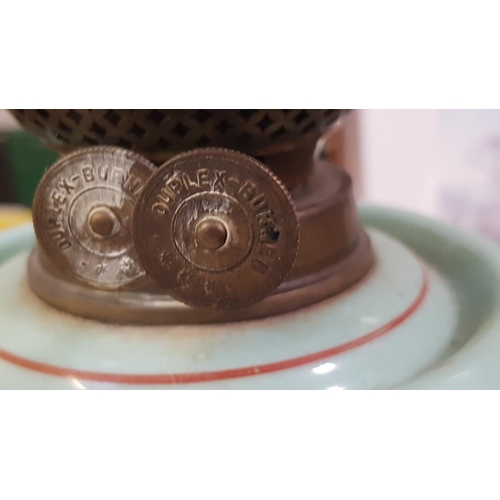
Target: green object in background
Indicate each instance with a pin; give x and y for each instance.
(28, 160)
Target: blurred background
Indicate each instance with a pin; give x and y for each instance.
(441, 163)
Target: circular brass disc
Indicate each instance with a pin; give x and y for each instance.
(215, 229)
(82, 214)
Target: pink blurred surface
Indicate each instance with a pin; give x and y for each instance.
(441, 163)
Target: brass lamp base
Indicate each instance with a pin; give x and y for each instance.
(153, 307)
(334, 253)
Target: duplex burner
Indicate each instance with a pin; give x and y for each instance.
(210, 235)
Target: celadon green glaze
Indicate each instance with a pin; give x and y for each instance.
(427, 316)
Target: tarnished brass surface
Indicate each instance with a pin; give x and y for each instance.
(150, 306)
(334, 253)
(215, 229)
(82, 214)
(328, 221)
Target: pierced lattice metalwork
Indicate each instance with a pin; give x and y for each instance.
(158, 133)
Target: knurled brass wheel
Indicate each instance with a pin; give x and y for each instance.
(82, 214)
(215, 229)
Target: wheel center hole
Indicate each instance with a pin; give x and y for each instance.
(104, 222)
(211, 233)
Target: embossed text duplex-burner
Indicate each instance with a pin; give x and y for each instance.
(83, 215)
(216, 229)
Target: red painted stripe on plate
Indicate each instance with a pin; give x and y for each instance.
(186, 378)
